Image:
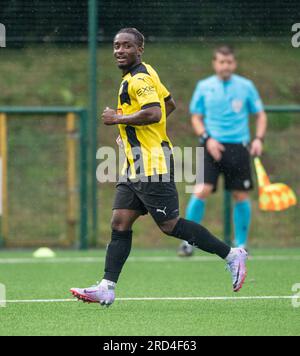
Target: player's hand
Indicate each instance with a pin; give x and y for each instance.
(109, 117)
(215, 149)
(256, 147)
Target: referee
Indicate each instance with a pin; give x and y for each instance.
(220, 109)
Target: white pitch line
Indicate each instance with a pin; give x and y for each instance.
(29, 260)
(270, 297)
(38, 301)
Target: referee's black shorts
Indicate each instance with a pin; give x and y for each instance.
(235, 166)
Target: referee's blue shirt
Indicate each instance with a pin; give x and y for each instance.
(226, 106)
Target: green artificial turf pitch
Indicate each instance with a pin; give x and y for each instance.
(152, 273)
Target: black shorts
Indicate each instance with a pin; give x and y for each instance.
(235, 166)
(160, 199)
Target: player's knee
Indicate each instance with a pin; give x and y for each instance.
(114, 224)
(119, 224)
(167, 227)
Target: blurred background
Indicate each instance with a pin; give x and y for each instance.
(47, 61)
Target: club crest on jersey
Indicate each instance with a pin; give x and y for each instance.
(119, 112)
(237, 105)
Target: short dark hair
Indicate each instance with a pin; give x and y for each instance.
(139, 37)
(225, 50)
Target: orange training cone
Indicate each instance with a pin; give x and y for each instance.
(272, 197)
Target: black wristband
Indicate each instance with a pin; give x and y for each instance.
(203, 138)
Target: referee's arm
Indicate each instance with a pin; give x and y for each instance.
(261, 128)
(198, 124)
(261, 124)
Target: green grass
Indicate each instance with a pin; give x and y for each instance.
(58, 76)
(177, 278)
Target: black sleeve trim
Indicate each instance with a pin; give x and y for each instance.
(146, 106)
(169, 97)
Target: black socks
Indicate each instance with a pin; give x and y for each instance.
(119, 248)
(200, 237)
(117, 253)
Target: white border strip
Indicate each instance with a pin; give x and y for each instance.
(278, 297)
(1, 186)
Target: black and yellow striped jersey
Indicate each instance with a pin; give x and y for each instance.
(145, 146)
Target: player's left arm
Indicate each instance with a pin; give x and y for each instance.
(170, 105)
(256, 108)
(169, 101)
(143, 89)
(147, 116)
